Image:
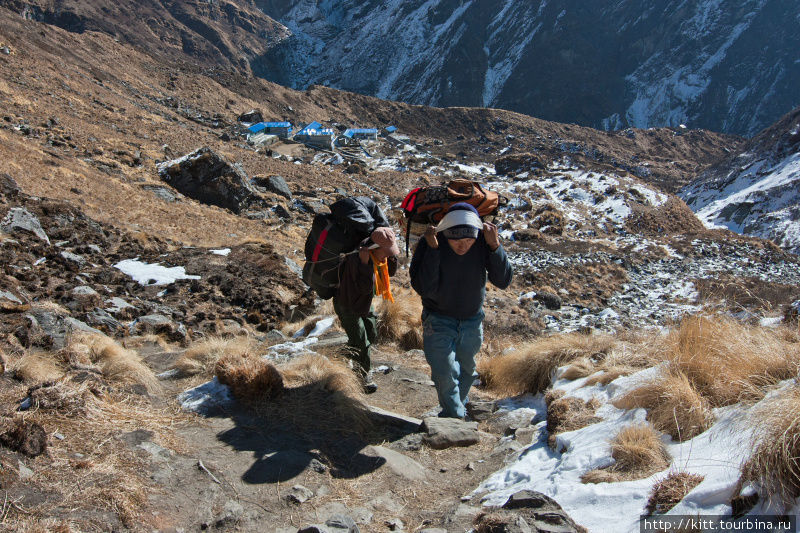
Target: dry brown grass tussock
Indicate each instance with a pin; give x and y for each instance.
(579, 369)
(304, 326)
(673, 405)
(568, 414)
(727, 361)
(116, 363)
(608, 375)
(401, 321)
(529, 368)
(37, 367)
(202, 357)
(774, 465)
(638, 453)
(250, 377)
(668, 492)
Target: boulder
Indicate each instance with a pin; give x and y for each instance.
(50, 330)
(253, 116)
(20, 219)
(10, 302)
(8, 187)
(518, 163)
(529, 511)
(274, 184)
(208, 178)
(441, 433)
(550, 300)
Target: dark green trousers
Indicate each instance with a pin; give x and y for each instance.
(361, 333)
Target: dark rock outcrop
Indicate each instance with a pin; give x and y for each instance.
(208, 178)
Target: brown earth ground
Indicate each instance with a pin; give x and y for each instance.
(250, 460)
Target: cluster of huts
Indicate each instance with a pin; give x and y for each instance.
(313, 134)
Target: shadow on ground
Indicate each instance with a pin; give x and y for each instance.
(285, 442)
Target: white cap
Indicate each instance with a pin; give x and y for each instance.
(460, 217)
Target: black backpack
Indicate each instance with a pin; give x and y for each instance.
(333, 236)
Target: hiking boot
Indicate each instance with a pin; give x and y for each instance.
(369, 385)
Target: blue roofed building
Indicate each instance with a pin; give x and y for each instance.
(255, 128)
(362, 134)
(315, 135)
(281, 129)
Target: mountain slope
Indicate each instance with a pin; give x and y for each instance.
(756, 191)
(222, 33)
(716, 64)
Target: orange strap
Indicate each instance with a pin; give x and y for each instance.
(381, 269)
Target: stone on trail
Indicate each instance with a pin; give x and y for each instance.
(299, 494)
(398, 463)
(441, 433)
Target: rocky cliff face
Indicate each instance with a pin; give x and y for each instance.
(715, 64)
(756, 191)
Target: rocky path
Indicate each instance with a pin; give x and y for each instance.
(240, 472)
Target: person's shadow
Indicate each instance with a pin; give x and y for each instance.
(308, 428)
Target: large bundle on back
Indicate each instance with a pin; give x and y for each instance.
(425, 206)
(333, 236)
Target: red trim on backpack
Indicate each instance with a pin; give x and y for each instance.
(322, 236)
(410, 200)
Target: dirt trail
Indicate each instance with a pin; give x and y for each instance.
(242, 472)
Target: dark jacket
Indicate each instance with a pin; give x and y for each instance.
(455, 285)
(356, 283)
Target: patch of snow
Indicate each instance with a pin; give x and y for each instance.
(206, 397)
(152, 274)
(715, 454)
(221, 251)
(320, 327)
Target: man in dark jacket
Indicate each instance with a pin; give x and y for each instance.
(353, 301)
(449, 270)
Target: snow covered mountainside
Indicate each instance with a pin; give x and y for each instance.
(757, 191)
(724, 65)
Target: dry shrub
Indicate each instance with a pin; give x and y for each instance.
(62, 397)
(673, 405)
(250, 378)
(529, 368)
(774, 465)
(637, 451)
(38, 368)
(568, 414)
(401, 321)
(202, 357)
(668, 492)
(727, 361)
(117, 363)
(321, 395)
